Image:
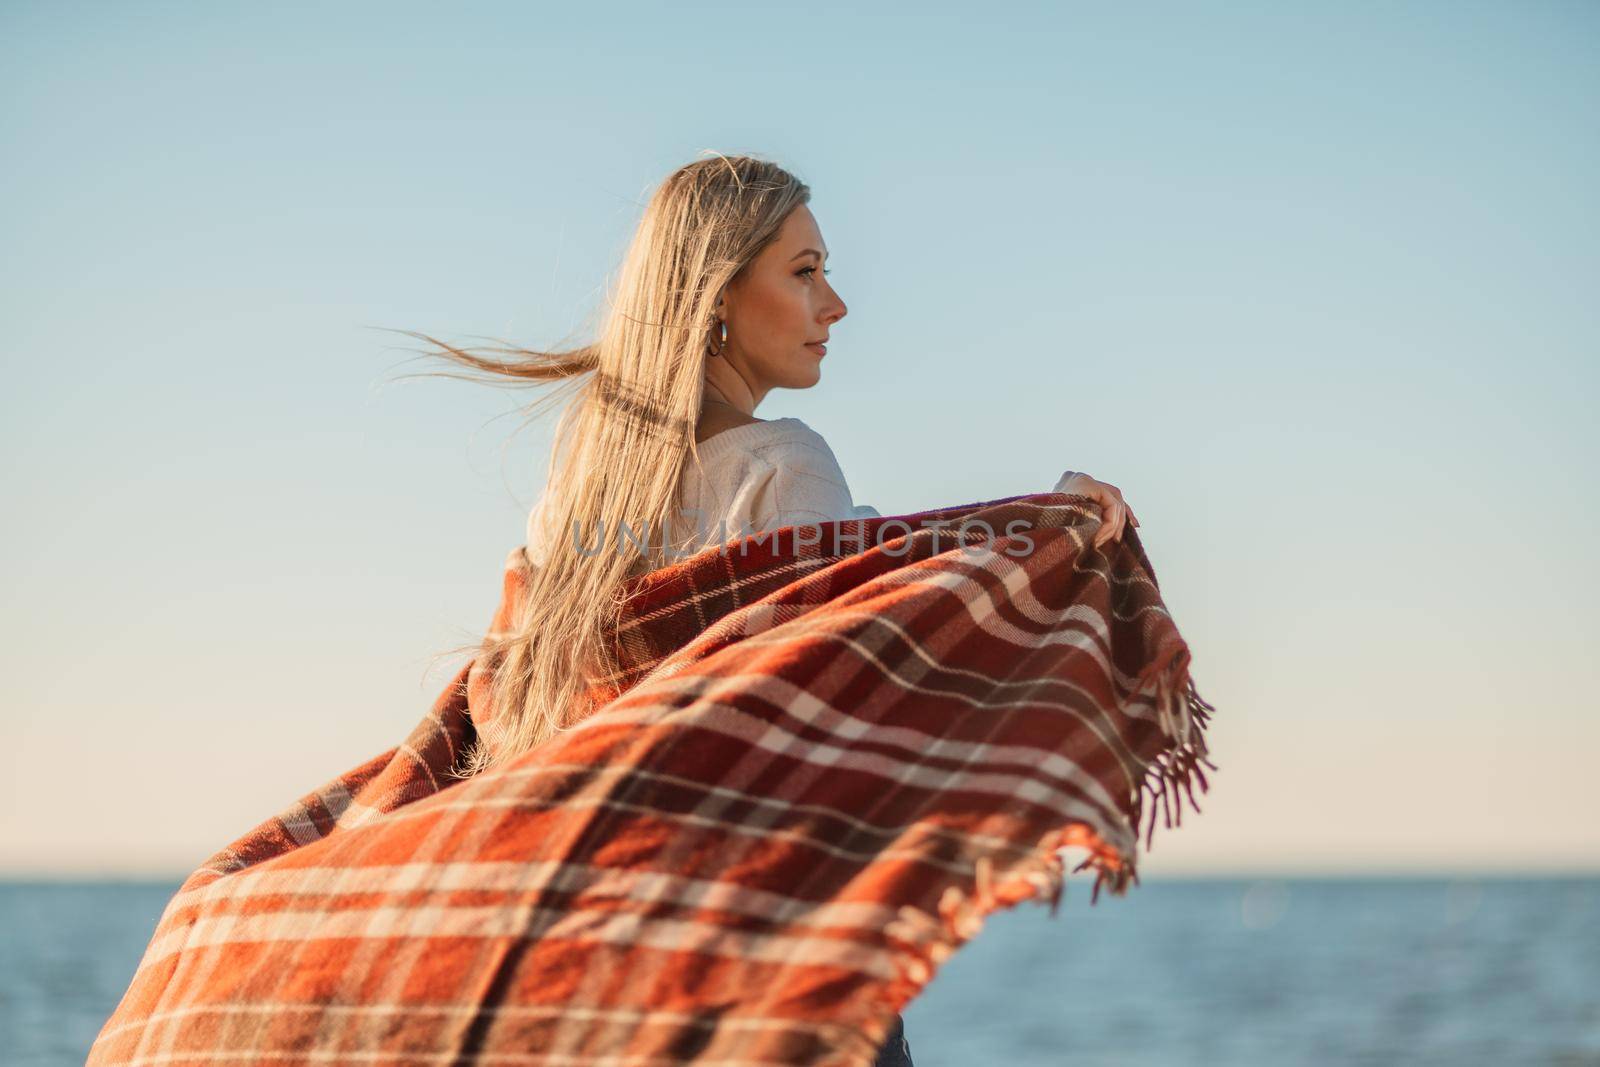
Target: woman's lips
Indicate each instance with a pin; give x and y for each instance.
(818, 348)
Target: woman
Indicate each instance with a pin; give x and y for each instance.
(813, 775)
(723, 297)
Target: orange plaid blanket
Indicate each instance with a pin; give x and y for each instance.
(831, 753)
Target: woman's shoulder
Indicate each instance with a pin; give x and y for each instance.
(793, 447)
(785, 458)
(768, 438)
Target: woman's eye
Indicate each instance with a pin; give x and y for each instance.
(812, 270)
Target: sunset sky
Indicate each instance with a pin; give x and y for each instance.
(1314, 285)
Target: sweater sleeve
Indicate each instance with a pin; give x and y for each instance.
(805, 485)
(1061, 482)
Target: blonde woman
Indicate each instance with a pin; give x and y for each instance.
(723, 296)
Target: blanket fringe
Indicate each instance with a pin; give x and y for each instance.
(1184, 715)
(921, 942)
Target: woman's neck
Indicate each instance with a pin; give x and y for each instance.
(716, 416)
(724, 383)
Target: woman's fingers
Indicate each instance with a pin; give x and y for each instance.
(1110, 511)
(1122, 511)
(1115, 514)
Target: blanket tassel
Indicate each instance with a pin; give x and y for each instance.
(921, 942)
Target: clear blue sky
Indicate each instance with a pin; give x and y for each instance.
(1314, 284)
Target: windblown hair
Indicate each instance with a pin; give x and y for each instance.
(622, 444)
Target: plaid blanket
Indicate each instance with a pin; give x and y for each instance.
(831, 752)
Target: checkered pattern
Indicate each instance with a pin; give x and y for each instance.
(831, 752)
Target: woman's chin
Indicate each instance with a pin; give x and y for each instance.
(803, 377)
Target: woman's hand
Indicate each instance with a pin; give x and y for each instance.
(1114, 511)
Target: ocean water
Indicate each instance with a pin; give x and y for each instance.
(1245, 972)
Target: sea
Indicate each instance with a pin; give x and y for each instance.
(1216, 971)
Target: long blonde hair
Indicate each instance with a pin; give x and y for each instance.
(622, 443)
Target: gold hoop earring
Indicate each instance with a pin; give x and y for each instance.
(722, 341)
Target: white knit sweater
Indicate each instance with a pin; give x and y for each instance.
(753, 478)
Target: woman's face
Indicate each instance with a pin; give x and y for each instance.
(780, 307)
